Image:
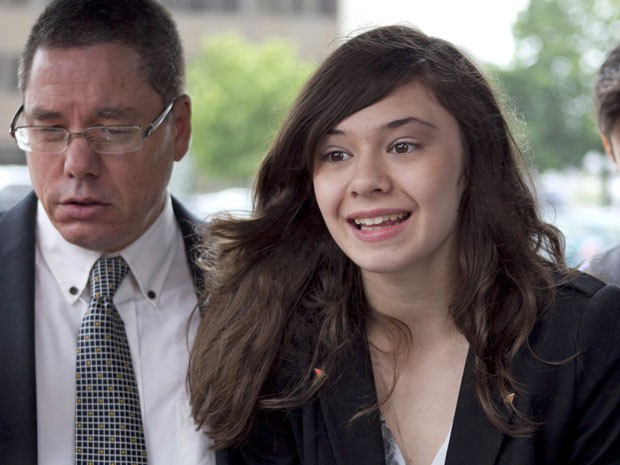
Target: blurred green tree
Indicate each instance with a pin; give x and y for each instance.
(559, 47)
(241, 92)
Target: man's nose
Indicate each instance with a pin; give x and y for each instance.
(81, 160)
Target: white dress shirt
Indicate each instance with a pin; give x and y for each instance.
(157, 303)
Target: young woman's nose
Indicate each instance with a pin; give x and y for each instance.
(370, 175)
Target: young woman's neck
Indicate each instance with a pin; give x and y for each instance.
(421, 303)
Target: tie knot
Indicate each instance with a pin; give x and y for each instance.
(106, 276)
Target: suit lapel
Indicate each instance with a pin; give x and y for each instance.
(474, 440)
(358, 442)
(189, 225)
(18, 422)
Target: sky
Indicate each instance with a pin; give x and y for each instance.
(483, 28)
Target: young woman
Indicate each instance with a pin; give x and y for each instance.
(395, 297)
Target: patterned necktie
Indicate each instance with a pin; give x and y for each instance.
(108, 418)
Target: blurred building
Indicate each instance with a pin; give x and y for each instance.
(309, 24)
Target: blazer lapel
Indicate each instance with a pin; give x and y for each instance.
(474, 440)
(18, 422)
(357, 442)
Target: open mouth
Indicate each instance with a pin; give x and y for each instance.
(382, 221)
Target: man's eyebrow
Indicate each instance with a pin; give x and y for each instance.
(44, 114)
(117, 112)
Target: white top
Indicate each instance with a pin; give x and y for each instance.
(157, 331)
(394, 456)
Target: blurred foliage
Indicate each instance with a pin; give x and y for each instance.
(559, 48)
(240, 92)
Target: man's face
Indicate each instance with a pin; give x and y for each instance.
(612, 144)
(101, 202)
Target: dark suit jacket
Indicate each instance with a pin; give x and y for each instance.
(18, 411)
(577, 402)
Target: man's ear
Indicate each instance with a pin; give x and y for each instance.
(182, 115)
(609, 150)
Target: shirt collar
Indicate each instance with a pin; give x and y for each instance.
(149, 257)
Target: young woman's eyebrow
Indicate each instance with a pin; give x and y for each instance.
(391, 125)
(403, 121)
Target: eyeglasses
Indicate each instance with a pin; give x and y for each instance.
(102, 139)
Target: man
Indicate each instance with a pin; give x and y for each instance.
(607, 104)
(103, 120)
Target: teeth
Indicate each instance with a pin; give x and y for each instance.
(379, 219)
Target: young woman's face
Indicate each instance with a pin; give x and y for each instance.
(388, 181)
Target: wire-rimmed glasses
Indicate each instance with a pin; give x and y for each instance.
(102, 139)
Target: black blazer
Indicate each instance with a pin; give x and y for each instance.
(577, 402)
(18, 410)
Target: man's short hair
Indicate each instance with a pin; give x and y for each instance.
(143, 25)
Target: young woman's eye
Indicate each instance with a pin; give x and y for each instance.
(403, 147)
(336, 156)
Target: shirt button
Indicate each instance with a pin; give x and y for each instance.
(151, 294)
(73, 290)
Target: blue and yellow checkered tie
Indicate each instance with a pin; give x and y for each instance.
(108, 426)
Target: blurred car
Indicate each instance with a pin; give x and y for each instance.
(235, 200)
(588, 230)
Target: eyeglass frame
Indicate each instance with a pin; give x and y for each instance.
(146, 131)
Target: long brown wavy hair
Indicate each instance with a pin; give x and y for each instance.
(278, 278)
